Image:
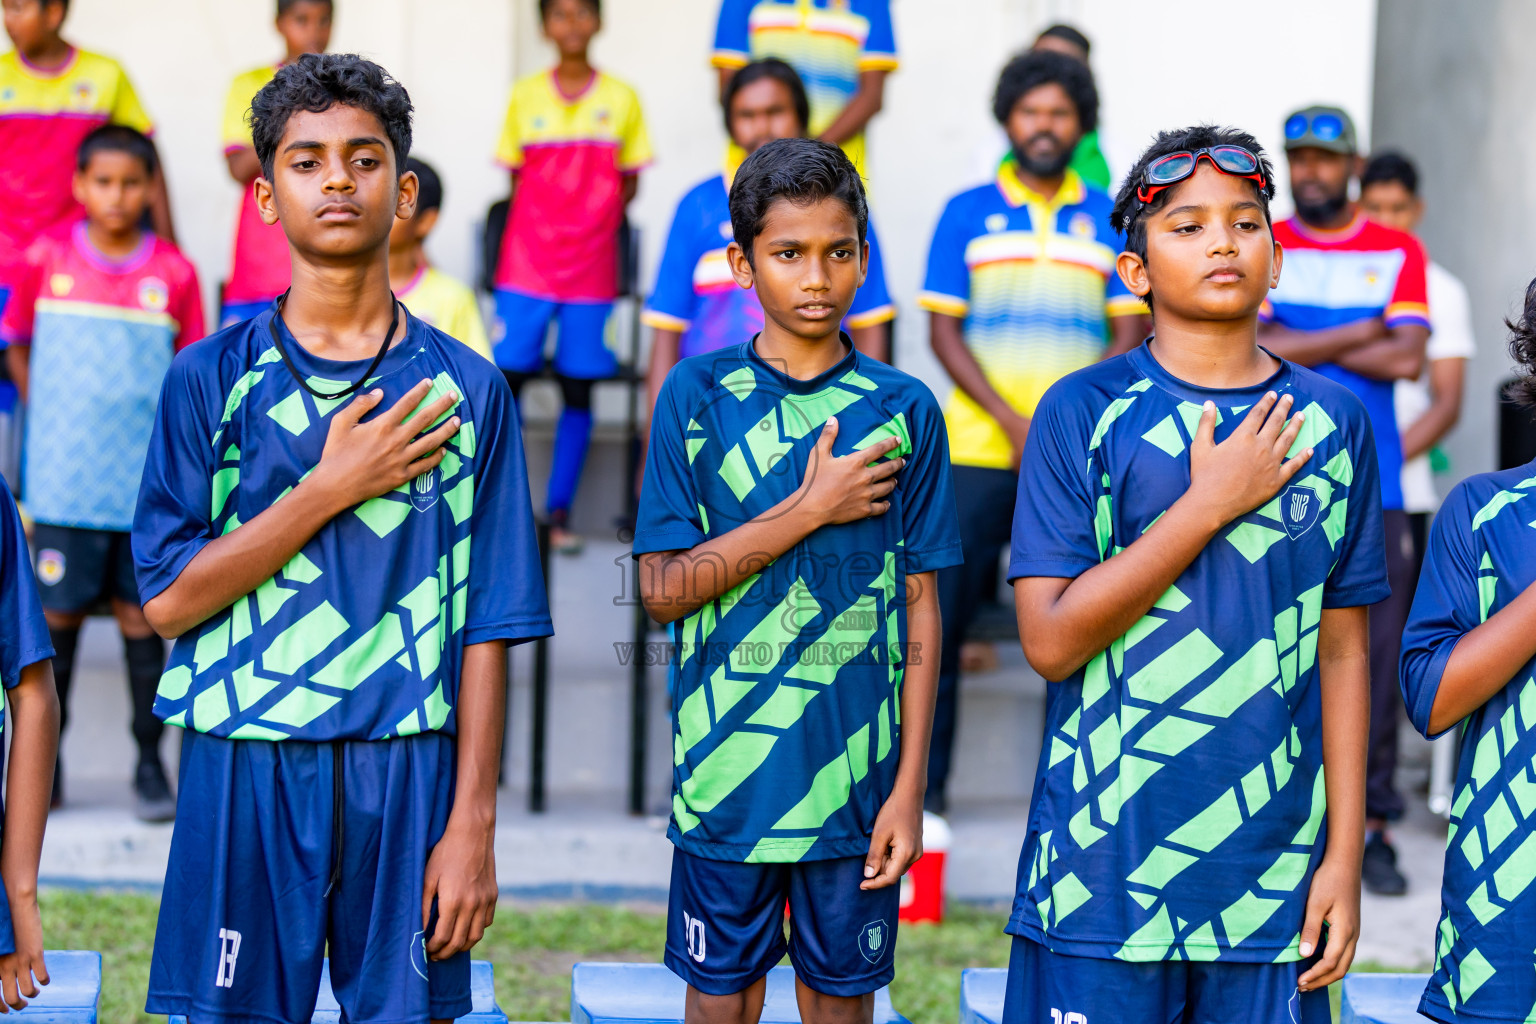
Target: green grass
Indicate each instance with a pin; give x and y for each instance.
(533, 948)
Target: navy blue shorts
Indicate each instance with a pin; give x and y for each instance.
(581, 348)
(1047, 986)
(275, 856)
(725, 924)
(78, 567)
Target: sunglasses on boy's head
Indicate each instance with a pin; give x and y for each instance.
(1324, 127)
(1175, 167)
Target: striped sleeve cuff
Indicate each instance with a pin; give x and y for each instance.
(1126, 305)
(728, 59)
(879, 62)
(937, 302)
(1399, 313)
(663, 321)
(871, 317)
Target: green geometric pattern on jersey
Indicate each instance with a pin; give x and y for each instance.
(217, 687)
(1166, 714)
(1498, 839)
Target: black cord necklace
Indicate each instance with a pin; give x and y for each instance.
(282, 350)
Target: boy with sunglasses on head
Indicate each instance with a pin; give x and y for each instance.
(1196, 536)
(334, 523)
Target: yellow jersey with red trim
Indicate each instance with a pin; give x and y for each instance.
(447, 304)
(259, 268)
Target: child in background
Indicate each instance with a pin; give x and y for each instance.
(1469, 653)
(575, 142)
(102, 307)
(34, 712)
(259, 270)
(433, 296)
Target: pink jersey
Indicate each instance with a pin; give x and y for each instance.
(570, 154)
(259, 271)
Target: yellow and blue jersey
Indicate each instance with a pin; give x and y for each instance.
(828, 42)
(696, 295)
(1179, 799)
(787, 689)
(1480, 560)
(1034, 280)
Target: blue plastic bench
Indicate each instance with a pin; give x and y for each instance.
(1382, 998)
(482, 994)
(652, 994)
(73, 990)
(981, 994)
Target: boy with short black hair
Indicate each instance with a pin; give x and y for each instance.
(1468, 659)
(433, 296)
(97, 315)
(258, 272)
(343, 570)
(1191, 565)
(796, 570)
(575, 142)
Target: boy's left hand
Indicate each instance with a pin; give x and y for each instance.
(1335, 899)
(19, 968)
(461, 874)
(897, 843)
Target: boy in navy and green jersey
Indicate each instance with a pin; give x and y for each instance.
(1199, 610)
(1469, 660)
(342, 587)
(805, 667)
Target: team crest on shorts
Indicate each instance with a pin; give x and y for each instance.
(419, 954)
(154, 295)
(50, 566)
(424, 490)
(873, 940)
(1300, 508)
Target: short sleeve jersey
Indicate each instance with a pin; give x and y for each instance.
(1035, 282)
(25, 639)
(103, 333)
(571, 154)
(829, 42)
(787, 689)
(696, 295)
(448, 305)
(1336, 277)
(1179, 802)
(361, 635)
(44, 115)
(260, 268)
(1480, 559)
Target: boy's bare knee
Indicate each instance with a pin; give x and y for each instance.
(736, 1008)
(820, 1008)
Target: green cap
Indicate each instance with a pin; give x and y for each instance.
(1321, 128)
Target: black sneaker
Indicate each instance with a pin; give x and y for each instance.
(1378, 870)
(155, 802)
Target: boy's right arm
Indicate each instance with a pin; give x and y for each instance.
(834, 490)
(1063, 623)
(34, 709)
(360, 461)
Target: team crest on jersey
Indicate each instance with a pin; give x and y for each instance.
(1081, 225)
(874, 938)
(154, 295)
(424, 490)
(60, 285)
(85, 92)
(602, 116)
(50, 566)
(1299, 509)
(996, 222)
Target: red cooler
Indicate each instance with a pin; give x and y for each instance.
(922, 887)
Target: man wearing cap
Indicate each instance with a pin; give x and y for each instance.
(1352, 303)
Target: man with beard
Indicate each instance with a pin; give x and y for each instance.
(1021, 291)
(1353, 304)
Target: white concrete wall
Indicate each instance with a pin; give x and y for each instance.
(1180, 62)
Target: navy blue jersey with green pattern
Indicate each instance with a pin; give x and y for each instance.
(1482, 555)
(361, 634)
(787, 688)
(1178, 809)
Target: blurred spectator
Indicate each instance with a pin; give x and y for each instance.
(842, 49)
(696, 305)
(575, 142)
(430, 294)
(1021, 290)
(259, 271)
(1427, 408)
(1352, 303)
(98, 312)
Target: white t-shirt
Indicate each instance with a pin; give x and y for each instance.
(1450, 311)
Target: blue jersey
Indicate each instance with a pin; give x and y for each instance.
(1480, 559)
(764, 770)
(696, 294)
(1218, 683)
(361, 634)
